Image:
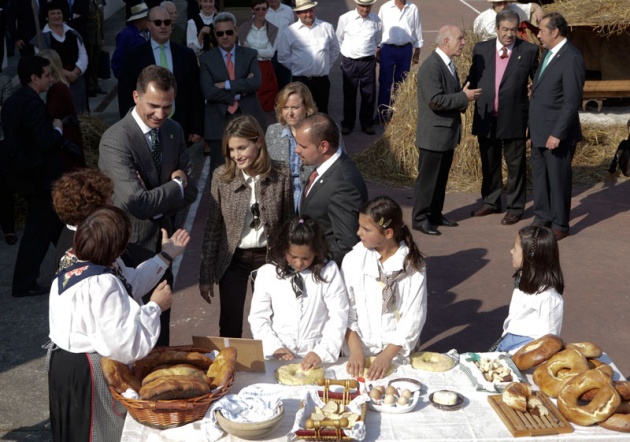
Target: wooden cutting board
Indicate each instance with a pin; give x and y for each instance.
(525, 424)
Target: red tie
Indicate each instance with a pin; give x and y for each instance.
(230, 68)
(504, 52)
(311, 180)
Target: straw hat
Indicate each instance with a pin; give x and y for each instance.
(141, 10)
(303, 5)
(365, 2)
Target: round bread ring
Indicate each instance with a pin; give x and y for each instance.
(546, 374)
(292, 374)
(588, 349)
(537, 352)
(601, 366)
(430, 361)
(617, 422)
(515, 396)
(603, 405)
(622, 387)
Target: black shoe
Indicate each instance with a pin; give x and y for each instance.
(443, 221)
(427, 229)
(35, 290)
(10, 238)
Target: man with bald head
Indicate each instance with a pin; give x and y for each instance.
(440, 101)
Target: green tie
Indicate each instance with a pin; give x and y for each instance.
(163, 60)
(545, 63)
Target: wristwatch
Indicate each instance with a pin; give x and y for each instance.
(181, 181)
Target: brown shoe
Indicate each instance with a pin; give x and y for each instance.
(559, 234)
(484, 211)
(510, 219)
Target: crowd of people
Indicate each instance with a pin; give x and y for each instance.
(332, 272)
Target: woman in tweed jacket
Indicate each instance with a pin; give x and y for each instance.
(251, 197)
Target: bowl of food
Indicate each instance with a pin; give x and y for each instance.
(250, 430)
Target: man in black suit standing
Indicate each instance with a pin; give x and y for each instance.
(32, 158)
(21, 23)
(503, 67)
(335, 191)
(439, 128)
(554, 124)
(180, 60)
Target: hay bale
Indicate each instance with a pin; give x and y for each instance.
(607, 17)
(92, 128)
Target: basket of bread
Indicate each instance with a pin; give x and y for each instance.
(173, 386)
(334, 415)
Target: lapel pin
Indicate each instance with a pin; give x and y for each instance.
(171, 136)
(519, 57)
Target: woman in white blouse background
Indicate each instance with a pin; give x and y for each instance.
(259, 34)
(386, 281)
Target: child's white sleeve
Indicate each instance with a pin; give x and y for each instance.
(336, 300)
(413, 310)
(261, 312)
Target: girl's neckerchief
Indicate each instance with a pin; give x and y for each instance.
(297, 281)
(390, 284)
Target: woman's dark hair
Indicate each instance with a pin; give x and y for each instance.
(103, 236)
(387, 214)
(300, 232)
(541, 261)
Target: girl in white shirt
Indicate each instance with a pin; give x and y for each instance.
(386, 282)
(300, 306)
(537, 306)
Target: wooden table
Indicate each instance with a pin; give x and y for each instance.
(475, 421)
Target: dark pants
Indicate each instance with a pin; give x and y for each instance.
(233, 289)
(42, 227)
(283, 75)
(395, 62)
(429, 190)
(7, 206)
(551, 177)
(320, 89)
(358, 74)
(492, 177)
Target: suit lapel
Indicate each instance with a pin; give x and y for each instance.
(450, 79)
(555, 61)
(512, 62)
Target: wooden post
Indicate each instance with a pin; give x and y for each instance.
(40, 41)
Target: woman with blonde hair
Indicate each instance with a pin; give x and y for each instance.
(293, 104)
(250, 199)
(59, 102)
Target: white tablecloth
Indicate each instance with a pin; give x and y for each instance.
(476, 420)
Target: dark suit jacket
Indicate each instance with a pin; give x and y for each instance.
(440, 102)
(334, 202)
(213, 70)
(80, 9)
(32, 156)
(21, 22)
(557, 97)
(513, 96)
(188, 101)
(123, 154)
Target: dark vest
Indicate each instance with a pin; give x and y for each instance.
(209, 40)
(68, 50)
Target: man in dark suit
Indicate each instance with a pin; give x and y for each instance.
(32, 158)
(554, 124)
(439, 128)
(21, 23)
(228, 93)
(502, 67)
(178, 59)
(146, 157)
(335, 191)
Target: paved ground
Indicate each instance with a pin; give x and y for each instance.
(469, 268)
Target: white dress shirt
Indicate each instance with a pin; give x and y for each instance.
(192, 33)
(82, 61)
(259, 40)
(359, 37)
(485, 25)
(315, 321)
(401, 26)
(308, 51)
(402, 326)
(282, 18)
(252, 238)
(97, 314)
(535, 315)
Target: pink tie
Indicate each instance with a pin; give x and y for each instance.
(311, 180)
(230, 68)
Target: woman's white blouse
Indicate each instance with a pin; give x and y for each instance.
(401, 326)
(315, 321)
(535, 315)
(97, 314)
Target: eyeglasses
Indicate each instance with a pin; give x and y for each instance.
(260, 8)
(166, 22)
(256, 222)
(220, 33)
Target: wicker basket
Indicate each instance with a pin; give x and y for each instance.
(341, 398)
(173, 413)
(250, 430)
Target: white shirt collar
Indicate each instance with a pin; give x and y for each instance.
(143, 127)
(394, 263)
(500, 46)
(155, 44)
(322, 168)
(557, 47)
(447, 60)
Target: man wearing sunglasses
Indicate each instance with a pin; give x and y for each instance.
(178, 59)
(230, 77)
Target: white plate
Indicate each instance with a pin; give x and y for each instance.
(395, 408)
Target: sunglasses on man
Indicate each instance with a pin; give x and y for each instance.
(229, 32)
(166, 22)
